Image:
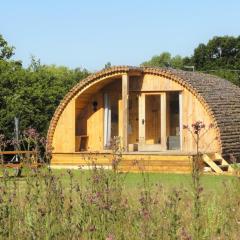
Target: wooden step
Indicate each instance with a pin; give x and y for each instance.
(224, 167)
(218, 161)
(212, 164)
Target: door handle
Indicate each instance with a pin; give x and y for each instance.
(143, 121)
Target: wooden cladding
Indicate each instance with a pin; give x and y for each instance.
(125, 112)
(80, 117)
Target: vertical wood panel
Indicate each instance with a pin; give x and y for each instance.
(181, 119)
(163, 121)
(125, 96)
(141, 118)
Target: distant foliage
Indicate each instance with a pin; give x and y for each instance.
(220, 56)
(218, 53)
(164, 60)
(32, 94)
(6, 51)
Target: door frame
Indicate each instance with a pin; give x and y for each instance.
(142, 146)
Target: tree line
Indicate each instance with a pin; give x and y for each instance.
(32, 93)
(220, 56)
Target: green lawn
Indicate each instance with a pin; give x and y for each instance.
(167, 180)
(135, 180)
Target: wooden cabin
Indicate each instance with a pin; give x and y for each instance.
(146, 108)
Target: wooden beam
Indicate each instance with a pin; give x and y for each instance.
(141, 120)
(125, 96)
(181, 119)
(163, 121)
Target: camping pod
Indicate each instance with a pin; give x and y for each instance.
(150, 114)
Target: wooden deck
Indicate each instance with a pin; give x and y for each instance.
(132, 161)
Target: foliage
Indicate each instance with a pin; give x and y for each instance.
(33, 94)
(218, 53)
(164, 60)
(220, 56)
(6, 51)
(107, 65)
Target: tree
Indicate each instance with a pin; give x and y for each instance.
(177, 62)
(164, 60)
(161, 60)
(220, 56)
(33, 94)
(107, 65)
(6, 51)
(218, 53)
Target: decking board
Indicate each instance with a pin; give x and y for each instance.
(132, 163)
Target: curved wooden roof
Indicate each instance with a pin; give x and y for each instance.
(219, 97)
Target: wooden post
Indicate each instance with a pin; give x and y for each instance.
(141, 117)
(125, 95)
(181, 120)
(163, 121)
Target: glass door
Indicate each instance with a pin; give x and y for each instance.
(152, 122)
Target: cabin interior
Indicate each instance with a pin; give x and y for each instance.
(151, 118)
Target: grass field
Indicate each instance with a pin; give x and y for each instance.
(210, 182)
(102, 204)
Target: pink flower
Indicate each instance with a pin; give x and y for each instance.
(31, 133)
(198, 126)
(110, 237)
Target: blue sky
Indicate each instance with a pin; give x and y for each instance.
(90, 33)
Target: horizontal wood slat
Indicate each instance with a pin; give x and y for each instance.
(132, 163)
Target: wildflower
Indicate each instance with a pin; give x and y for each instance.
(31, 133)
(70, 173)
(77, 188)
(211, 125)
(115, 163)
(42, 211)
(145, 214)
(135, 162)
(96, 178)
(198, 126)
(110, 237)
(43, 141)
(142, 200)
(92, 228)
(200, 189)
(185, 235)
(14, 142)
(2, 137)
